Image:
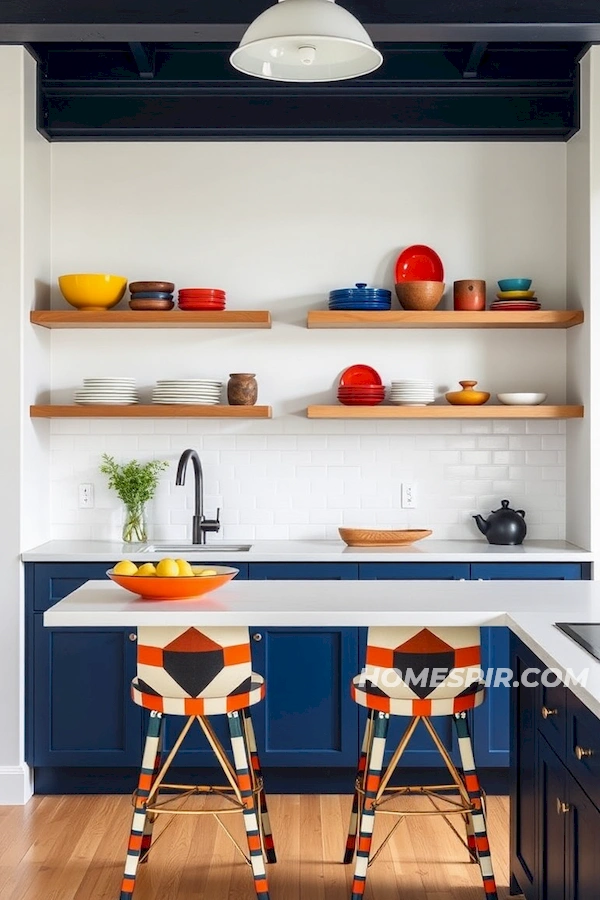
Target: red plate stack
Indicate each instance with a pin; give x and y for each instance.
(196, 299)
(360, 386)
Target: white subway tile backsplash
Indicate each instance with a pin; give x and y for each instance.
(303, 479)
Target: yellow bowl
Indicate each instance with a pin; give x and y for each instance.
(92, 292)
(182, 587)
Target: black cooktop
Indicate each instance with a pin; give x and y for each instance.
(586, 634)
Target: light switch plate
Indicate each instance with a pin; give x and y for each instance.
(409, 496)
(86, 496)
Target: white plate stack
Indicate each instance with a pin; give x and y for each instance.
(107, 392)
(415, 392)
(193, 391)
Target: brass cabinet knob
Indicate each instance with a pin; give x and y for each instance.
(583, 752)
(546, 713)
(257, 636)
(562, 808)
(133, 636)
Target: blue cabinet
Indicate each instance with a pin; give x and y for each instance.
(414, 571)
(303, 571)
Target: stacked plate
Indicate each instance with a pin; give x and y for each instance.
(151, 296)
(360, 386)
(107, 392)
(192, 391)
(198, 299)
(514, 295)
(360, 297)
(413, 392)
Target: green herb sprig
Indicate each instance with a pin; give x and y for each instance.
(134, 482)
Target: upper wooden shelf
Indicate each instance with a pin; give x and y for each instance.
(130, 318)
(541, 318)
(445, 412)
(150, 411)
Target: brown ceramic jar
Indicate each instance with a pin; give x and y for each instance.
(242, 389)
(469, 295)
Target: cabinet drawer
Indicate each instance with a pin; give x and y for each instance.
(52, 582)
(552, 716)
(583, 746)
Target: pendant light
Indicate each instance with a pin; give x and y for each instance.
(306, 41)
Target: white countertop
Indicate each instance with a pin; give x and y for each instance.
(320, 551)
(529, 608)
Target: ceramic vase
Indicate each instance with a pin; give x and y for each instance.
(242, 389)
(469, 295)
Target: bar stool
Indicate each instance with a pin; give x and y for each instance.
(198, 674)
(419, 673)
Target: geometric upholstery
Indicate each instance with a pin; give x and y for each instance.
(189, 671)
(415, 671)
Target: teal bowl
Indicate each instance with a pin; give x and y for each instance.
(514, 284)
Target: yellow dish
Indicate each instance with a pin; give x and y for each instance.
(92, 291)
(515, 295)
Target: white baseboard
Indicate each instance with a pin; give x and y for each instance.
(16, 785)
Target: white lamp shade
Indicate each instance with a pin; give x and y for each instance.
(306, 40)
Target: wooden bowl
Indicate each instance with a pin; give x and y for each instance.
(180, 587)
(365, 537)
(420, 295)
(151, 305)
(165, 286)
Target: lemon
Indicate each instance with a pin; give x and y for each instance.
(184, 568)
(167, 568)
(147, 569)
(125, 567)
(206, 572)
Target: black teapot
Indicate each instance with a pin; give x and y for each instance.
(503, 526)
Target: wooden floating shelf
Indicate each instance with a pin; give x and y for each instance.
(150, 411)
(445, 412)
(130, 318)
(542, 318)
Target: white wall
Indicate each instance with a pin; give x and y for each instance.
(278, 226)
(24, 475)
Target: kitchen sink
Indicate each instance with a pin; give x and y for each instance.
(174, 547)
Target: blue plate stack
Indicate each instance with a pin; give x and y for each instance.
(360, 297)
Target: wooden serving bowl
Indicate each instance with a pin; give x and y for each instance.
(151, 305)
(420, 295)
(137, 287)
(366, 537)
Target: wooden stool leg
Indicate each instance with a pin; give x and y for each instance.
(269, 845)
(360, 779)
(478, 816)
(139, 813)
(150, 817)
(242, 768)
(367, 817)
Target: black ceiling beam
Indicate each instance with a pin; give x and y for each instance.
(144, 58)
(477, 53)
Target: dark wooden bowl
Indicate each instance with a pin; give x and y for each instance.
(151, 305)
(165, 286)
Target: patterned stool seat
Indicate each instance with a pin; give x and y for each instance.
(441, 702)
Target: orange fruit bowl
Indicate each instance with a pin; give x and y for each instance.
(179, 587)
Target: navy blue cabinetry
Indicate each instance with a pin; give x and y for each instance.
(414, 571)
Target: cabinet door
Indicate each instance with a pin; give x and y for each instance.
(523, 805)
(303, 571)
(83, 712)
(583, 858)
(522, 571)
(308, 717)
(552, 821)
(51, 582)
(421, 750)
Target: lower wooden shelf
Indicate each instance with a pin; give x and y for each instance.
(150, 411)
(445, 412)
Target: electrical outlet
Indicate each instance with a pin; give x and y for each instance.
(409, 496)
(86, 496)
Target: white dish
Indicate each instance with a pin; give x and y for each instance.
(81, 402)
(200, 382)
(411, 402)
(521, 399)
(111, 381)
(186, 402)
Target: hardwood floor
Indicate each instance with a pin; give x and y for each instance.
(73, 848)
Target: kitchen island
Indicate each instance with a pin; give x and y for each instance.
(555, 730)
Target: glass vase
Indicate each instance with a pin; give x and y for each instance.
(134, 526)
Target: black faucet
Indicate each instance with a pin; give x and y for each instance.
(200, 525)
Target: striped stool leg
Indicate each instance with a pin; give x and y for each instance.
(269, 845)
(471, 837)
(478, 816)
(367, 817)
(360, 778)
(242, 768)
(151, 818)
(139, 813)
